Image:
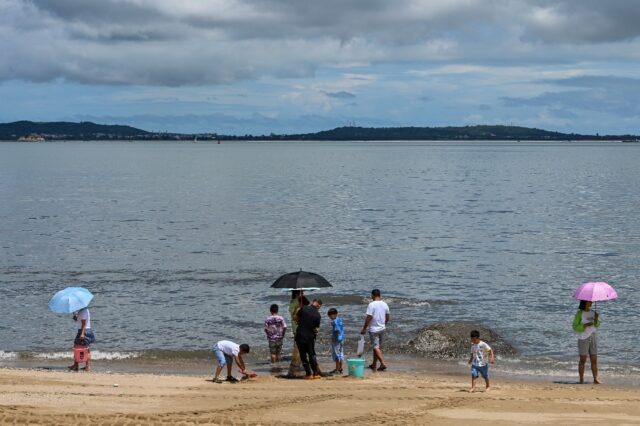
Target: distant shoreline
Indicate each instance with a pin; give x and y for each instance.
(30, 131)
(258, 140)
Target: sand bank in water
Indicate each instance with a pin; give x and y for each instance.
(45, 397)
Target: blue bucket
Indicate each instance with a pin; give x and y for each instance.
(356, 367)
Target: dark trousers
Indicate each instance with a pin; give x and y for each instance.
(308, 355)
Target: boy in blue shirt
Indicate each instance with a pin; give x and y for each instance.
(337, 339)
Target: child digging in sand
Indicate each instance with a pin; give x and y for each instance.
(337, 340)
(479, 366)
(226, 352)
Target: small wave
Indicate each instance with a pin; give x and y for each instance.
(96, 355)
(8, 355)
(357, 299)
(415, 302)
(167, 354)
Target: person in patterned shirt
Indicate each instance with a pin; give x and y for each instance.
(275, 328)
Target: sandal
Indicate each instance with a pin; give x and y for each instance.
(216, 380)
(382, 368)
(232, 379)
(372, 367)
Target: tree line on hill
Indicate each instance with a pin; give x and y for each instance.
(92, 131)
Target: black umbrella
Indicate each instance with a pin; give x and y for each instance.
(301, 280)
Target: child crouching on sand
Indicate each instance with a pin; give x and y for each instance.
(226, 352)
(337, 339)
(479, 366)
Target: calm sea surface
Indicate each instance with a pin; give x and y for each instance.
(180, 241)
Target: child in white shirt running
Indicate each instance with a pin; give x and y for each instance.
(479, 366)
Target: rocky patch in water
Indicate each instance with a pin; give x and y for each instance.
(451, 340)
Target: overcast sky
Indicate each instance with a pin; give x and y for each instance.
(282, 66)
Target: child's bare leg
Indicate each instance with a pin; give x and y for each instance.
(274, 358)
(487, 384)
(473, 384)
(218, 370)
(581, 364)
(229, 365)
(594, 369)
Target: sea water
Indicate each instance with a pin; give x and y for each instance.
(180, 241)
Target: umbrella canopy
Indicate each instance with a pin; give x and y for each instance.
(595, 292)
(71, 299)
(301, 280)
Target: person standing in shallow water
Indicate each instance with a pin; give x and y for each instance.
(376, 322)
(585, 323)
(308, 323)
(275, 328)
(296, 365)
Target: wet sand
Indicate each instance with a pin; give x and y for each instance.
(56, 397)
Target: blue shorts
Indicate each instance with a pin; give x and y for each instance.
(89, 338)
(223, 359)
(337, 351)
(477, 370)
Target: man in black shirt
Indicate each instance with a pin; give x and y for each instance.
(308, 323)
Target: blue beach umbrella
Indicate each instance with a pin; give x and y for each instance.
(69, 300)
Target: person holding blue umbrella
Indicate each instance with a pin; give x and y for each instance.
(76, 300)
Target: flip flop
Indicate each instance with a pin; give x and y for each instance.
(382, 368)
(372, 367)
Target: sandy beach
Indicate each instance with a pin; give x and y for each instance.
(51, 397)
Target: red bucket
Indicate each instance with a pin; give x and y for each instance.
(80, 354)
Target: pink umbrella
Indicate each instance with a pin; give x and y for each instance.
(595, 292)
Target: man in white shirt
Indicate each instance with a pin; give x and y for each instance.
(376, 322)
(226, 352)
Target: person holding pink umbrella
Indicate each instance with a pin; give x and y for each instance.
(586, 321)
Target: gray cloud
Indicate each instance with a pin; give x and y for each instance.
(339, 95)
(614, 95)
(98, 12)
(584, 21)
(163, 42)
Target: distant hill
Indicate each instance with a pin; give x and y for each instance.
(68, 130)
(93, 131)
(443, 133)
